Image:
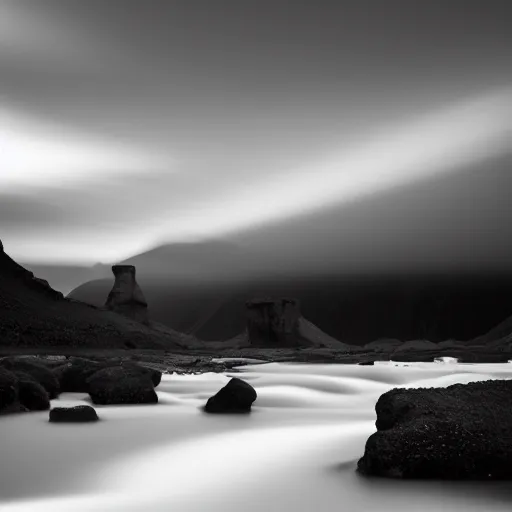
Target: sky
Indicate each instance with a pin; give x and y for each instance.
(128, 124)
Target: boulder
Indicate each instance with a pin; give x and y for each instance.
(121, 385)
(73, 375)
(463, 431)
(38, 372)
(78, 414)
(126, 297)
(366, 363)
(9, 390)
(31, 394)
(235, 397)
(154, 375)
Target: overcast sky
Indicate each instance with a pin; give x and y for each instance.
(126, 124)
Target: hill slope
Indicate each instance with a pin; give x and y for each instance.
(33, 314)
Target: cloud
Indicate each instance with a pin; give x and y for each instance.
(19, 211)
(124, 125)
(118, 217)
(446, 140)
(33, 37)
(44, 154)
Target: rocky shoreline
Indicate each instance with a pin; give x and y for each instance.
(29, 383)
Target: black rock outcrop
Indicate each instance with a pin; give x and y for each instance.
(78, 414)
(121, 385)
(237, 396)
(73, 376)
(458, 432)
(38, 372)
(32, 395)
(9, 390)
(21, 391)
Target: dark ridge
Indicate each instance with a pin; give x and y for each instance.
(32, 314)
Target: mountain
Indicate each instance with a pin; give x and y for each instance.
(65, 278)
(32, 314)
(499, 336)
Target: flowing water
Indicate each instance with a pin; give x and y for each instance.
(296, 451)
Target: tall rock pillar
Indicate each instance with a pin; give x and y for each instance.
(273, 322)
(126, 297)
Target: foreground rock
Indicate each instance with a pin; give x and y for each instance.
(74, 375)
(20, 392)
(9, 390)
(38, 372)
(78, 414)
(121, 385)
(235, 397)
(32, 395)
(463, 431)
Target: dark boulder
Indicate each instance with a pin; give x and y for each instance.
(236, 396)
(366, 363)
(74, 375)
(121, 385)
(463, 431)
(154, 375)
(78, 414)
(39, 372)
(31, 394)
(9, 389)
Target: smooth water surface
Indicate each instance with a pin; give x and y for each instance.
(295, 452)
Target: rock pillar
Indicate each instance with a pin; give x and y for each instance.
(126, 297)
(273, 322)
